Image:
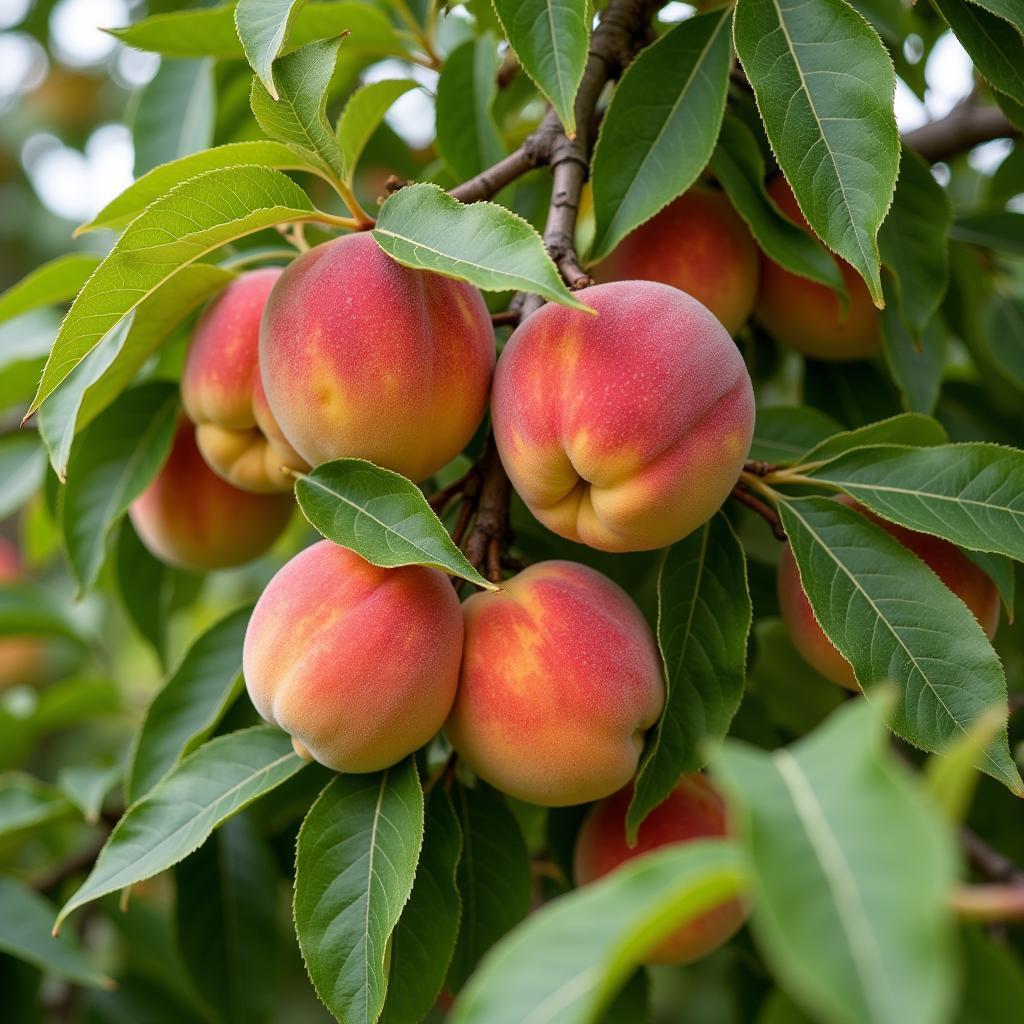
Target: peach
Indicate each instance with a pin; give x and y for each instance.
(627, 430)
(698, 244)
(359, 664)
(362, 357)
(808, 316)
(948, 562)
(560, 679)
(223, 394)
(693, 810)
(191, 518)
(20, 656)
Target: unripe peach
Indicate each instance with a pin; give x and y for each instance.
(358, 664)
(560, 679)
(627, 430)
(223, 394)
(190, 517)
(948, 562)
(807, 316)
(362, 357)
(693, 810)
(698, 244)
(20, 656)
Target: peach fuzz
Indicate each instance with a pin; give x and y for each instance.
(359, 664)
(560, 680)
(362, 357)
(698, 244)
(223, 394)
(20, 656)
(808, 316)
(693, 810)
(627, 430)
(951, 565)
(191, 518)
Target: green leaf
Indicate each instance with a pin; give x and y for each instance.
(467, 135)
(660, 127)
(909, 428)
(354, 865)
(1009, 10)
(26, 804)
(87, 786)
(1001, 339)
(26, 609)
(22, 468)
(194, 218)
(175, 818)
(993, 980)
(1000, 570)
(892, 618)
(916, 363)
(53, 282)
(263, 27)
(190, 704)
(145, 586)
(951, 777)
(550, 38)
(115, 459)
(424, 939)
(25, 919)
(824, 85)
(381, 516)
(1000, 229)
(423, 227)
(568, 960)
(995, 46)
(970, 494)
(298, 118)
(362, 116)
(784, 433)
(738, 164)
(493, 877)
(704, 616)
(851, 872)
(226, 915)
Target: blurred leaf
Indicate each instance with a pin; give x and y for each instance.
(833, 131)
(660, 127)
(917, 364)
(1009, 10)
(1002, 336)
(87, 786)
(355, 861)
(423, 227)
(25, 920)
(1002, 230)
(22, 467)
(1000, 570)
(550, 39)
(996, 48)
(363, 114)
(892, 618)
(26, 803)
(704, 616)
(145, 585)
(567, 961)
(53, 282)
(993, 980)
(175, 818)
(856, 394)
(784, 433)
(1008, 179)
(112, 463)
(909, 428)
(851, 869)
(263, 27)
(190, 704)
(381, 516)
(632, 1003)
(30, 610)
(778, 1008)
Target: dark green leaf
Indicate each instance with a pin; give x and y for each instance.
(993, 980)
(1000, 570)
(783, 433)
(1002, 336)
(909, 428)
(1002, 230)
(916, 363)
(996, 48)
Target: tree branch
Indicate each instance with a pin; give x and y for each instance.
(964, 127)
(990, 862)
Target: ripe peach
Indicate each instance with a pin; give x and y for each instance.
(362, 357)
(560, 679)
(20, 656)
(627, 430)
(693, 810)
(223, 394)
(190, 517)
(807, 316)
(698, 244)
(359, 664)
(951, 565)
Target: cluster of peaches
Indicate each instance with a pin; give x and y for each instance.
(624, 431)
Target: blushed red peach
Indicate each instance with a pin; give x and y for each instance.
(560, 680)
(693, 810)
(223, 394)
(362, 357)
(191, 518)
(20, 656)
(358, 664)
(698, 244)
(627, 430)
(948, 562)
(807, 316)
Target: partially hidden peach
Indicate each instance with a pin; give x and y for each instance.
(808, 316)
(20, 656)
(560, 680)
(191, 518)
(951, 565)
(698, 244)
(693, 810)
(223, 394)
(359, 664)
(627, 430)
(362, 357)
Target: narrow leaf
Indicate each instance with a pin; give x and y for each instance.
(87, 786)
(26, 609)
(263, 27)
(22, 467)
(26, 804)
(784, 433)
(909, 428)
(362, 116)
(995, 46)
(53, 282)
(145, 586)
(916, 363)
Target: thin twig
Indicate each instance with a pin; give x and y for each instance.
(762, 508)
(995, 866)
